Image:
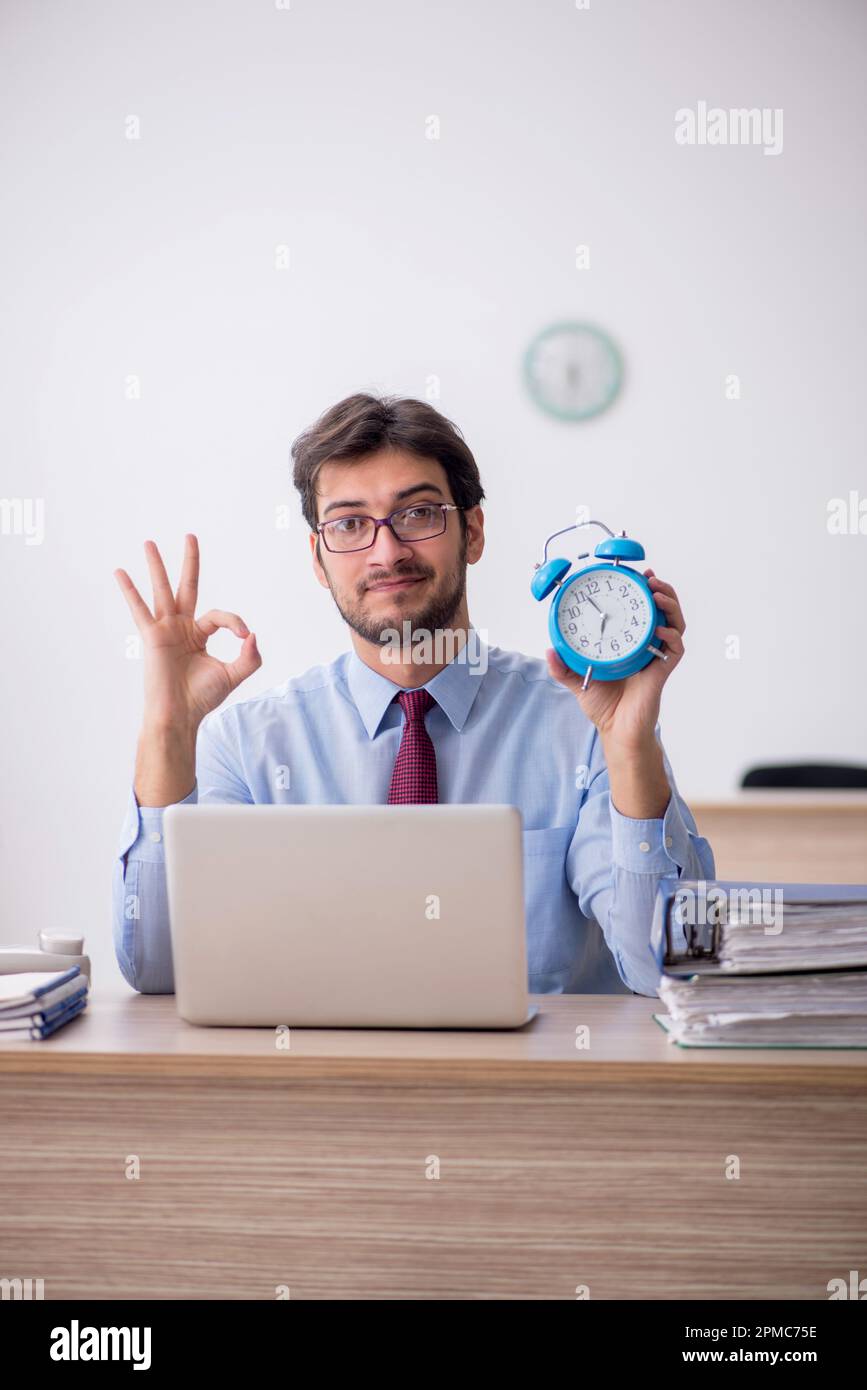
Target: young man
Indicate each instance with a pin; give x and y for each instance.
(392, 496)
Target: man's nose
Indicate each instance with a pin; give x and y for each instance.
(387, 549)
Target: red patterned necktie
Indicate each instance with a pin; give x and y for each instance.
(414, 778)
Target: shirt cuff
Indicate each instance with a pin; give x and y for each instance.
(142, 836)
(658, 846)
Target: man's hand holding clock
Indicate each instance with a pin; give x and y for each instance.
(626, 712)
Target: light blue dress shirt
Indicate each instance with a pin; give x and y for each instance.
(504, 731)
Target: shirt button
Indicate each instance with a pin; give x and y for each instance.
(156, 836)
(644, 846)
(668, 841)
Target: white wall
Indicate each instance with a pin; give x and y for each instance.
(411, 258)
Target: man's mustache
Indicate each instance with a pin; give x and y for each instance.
(393, 578)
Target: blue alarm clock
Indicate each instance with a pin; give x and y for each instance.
(603, 618)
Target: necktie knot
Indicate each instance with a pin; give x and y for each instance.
(415, 704)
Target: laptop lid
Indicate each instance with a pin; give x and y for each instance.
(347, 916)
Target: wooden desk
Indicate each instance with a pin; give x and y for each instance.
(793, 837)
(558, 1167)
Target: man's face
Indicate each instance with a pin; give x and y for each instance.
(393, 582)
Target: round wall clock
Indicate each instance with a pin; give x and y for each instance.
(573, 370)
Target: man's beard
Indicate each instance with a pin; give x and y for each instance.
(436, 615)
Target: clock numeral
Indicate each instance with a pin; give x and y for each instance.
(633, 603)
(627, 636)
(635, 622)
(593, 586)
(615, 645)
(624, 589)
(572, 628)
(598, 646)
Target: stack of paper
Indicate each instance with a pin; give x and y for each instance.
(784, 967)
(821, 936)
(805, 1010)
(35, 1004)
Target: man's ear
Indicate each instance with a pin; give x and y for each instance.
(475, 519)
(317, 566)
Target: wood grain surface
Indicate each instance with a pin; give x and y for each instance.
(791, 838)
(557, 1169)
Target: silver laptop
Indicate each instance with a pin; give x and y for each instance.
(348, 916)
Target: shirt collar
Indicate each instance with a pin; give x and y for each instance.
(454, 687)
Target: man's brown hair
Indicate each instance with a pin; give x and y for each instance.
(363, 424)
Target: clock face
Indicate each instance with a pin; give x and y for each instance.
(573, 370)
(605, 615)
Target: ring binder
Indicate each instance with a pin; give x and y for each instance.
(767, 965)
(706, 947)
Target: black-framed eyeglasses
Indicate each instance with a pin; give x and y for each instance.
(420, 522)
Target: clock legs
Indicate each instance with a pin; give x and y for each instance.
(589, 674)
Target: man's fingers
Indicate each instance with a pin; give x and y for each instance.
(188, 589)
(557, 666)
(671, 609)
(141, 613)
(562, 673)
(665, 596)
(164, 599)
(216, 618)
(243, 666)
(659, 586)
(672, 639)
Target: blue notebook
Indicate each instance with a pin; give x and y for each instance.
(25, 993)
(37, 1027)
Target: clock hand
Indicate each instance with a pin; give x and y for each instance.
(599, 611)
